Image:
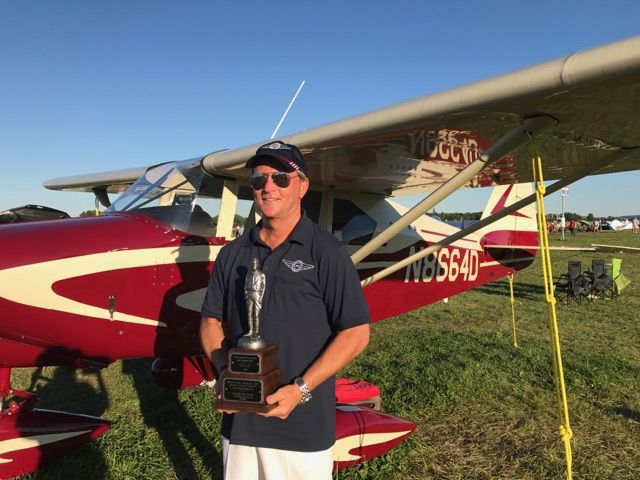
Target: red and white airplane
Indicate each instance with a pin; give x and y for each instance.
(129, 283)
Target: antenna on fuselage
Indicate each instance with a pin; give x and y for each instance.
(287, 110)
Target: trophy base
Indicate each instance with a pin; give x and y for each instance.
(252, 343)
(243, 407)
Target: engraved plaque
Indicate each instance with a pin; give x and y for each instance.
(242, 390)
(243, 363)
(247, 392)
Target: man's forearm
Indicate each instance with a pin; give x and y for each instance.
(343, 348)
(212, 337)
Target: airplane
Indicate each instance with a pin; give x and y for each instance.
(30, 213)
(129, 283)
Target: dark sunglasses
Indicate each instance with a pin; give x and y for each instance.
(281, 179)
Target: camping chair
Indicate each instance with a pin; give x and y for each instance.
(572, 285)
(601, 283)
(620, 282)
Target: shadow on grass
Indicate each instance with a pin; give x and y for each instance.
(63, 390)
(529, 291)
(161, 407)
(162, 410)
(624, 411)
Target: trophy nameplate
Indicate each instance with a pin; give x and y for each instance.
(246, 360)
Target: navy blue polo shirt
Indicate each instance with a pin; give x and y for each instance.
(312, 292)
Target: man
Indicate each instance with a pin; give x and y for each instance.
(314, 312)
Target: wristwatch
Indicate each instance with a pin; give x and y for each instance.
(306, 394)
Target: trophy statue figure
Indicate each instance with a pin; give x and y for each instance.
(254, 286)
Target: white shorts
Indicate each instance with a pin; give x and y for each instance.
(240, 462)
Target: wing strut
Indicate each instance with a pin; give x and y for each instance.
(510, 141)
(589, 170)
(101, 196)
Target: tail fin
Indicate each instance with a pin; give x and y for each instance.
(517, 228)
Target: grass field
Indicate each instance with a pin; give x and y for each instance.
(484, 410)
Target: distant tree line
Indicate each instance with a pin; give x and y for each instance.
(453, 216)
(238, 220)
(444, 216)
(590, 217)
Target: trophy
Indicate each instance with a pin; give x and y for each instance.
(252, 369)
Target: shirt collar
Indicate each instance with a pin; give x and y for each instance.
(303, 230)
(301, 233)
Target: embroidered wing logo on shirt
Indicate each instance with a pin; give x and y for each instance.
(297, 265)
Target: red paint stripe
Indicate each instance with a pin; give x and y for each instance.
(503, 202)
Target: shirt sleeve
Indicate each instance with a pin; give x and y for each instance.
(342, 294)
(213, 305)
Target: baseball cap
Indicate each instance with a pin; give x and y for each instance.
(288, 155)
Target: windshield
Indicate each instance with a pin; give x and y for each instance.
(159, 186)
(173, 193)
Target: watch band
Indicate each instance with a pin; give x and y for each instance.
(306, 394)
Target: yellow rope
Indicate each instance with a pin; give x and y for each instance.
(513, 311)
(565, 428)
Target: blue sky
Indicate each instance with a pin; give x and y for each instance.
(89, 86)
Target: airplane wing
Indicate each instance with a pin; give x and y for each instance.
(416, 146)
(115, 181)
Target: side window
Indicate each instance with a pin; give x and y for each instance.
(351, 225)
(244, 218)
(233, 202)
(203, 218)
(311, 204)
(205, 208)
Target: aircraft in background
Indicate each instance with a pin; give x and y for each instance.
(130, 282)
(31, 213)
